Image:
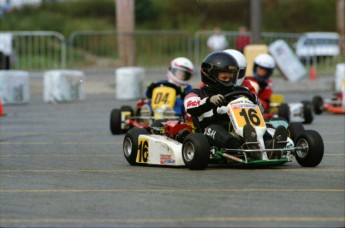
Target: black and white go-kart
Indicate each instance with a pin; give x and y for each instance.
(293, 112)
(181, 143)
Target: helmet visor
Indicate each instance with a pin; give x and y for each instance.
(226, 77)
(181, 74)
(242, 73)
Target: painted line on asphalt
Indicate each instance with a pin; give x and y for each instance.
(165, 190)
(98, 142)
(175, 220)
(63, 170)
(54, 133)
(114, 154)
(334, 142)
(58, 143)
(62, 155)
(167, 169)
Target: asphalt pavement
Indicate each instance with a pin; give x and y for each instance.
(61, 167)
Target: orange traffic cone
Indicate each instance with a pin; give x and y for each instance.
(1, 109)
(312, 73)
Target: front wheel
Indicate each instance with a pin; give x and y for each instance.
(318, 105)
(115, 121)
(312, 148)
(284, 111)
(295, 129)
(307, 112)
(196, 151)
(130, 144)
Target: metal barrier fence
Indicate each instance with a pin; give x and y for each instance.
(35, 50)
(153, 48)
(99, 49)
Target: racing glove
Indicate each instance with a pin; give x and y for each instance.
(218, 100)
(222, 110)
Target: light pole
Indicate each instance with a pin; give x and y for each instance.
(125, 20)
(255, 21)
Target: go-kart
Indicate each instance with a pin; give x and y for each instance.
(292, 112)
(336, 104)
(182, 143)
(162, 105)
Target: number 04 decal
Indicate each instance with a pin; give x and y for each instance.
(143, 149)
(250, 116)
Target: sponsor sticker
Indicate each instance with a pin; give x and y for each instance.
(192, 103)
(166, 159)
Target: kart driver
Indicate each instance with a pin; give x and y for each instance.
(262, 70)
(241, 79)
(179, 73)
(219, 73)
(242, 63)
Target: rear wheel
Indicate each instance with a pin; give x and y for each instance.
(130, 144)
(130, 110)
(307, 112)
(196, 151)
(127, 109)
(294, 129)
(115, 122)
(318, 104)
(284, 111)
(312, 150)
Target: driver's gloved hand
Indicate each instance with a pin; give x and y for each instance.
(222, 110)
(218, 100)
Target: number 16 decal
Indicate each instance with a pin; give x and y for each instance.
(250, 116)
(143, 149)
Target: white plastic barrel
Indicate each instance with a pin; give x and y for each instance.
(129, 82)
(63, 85)
(339, 76)
(14, 86)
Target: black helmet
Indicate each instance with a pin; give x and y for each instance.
(214, 63)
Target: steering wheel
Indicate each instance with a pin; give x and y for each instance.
(241, 92)
(169, 84)
(166, 83)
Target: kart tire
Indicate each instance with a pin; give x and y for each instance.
(284, 111)
(127, 109)
(196, 151)
(318, 105)
(137, 112)
(307, 112)
(312, 153)
(130, 144)
(115, 121)
(295, 129)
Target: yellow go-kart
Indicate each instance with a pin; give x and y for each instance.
(159, 107)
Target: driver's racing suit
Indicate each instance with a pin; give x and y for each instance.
(213, 121)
